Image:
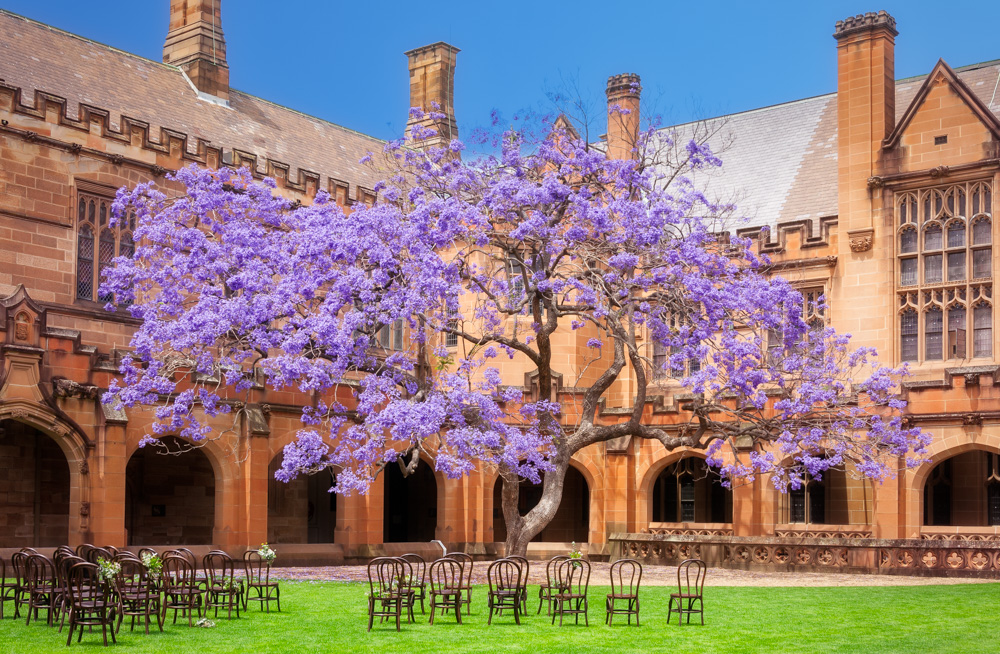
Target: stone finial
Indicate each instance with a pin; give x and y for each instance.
(866, 21)
(432, 89)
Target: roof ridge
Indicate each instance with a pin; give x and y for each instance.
(177, 69)
(53, 28)
(960, 69)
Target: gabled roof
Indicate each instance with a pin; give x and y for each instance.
(780, 162)
(943, 70)
(37, 57)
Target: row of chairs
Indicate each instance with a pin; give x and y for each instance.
(397, 583)
(70, 586)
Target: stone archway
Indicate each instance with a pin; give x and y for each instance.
(170, 498)
(572, 520)
(688, 491)
(301, 511)
(963, 490)
(410, 505)
(35, 488)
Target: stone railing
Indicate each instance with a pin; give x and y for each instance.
(823, 531)
(816, 554)
(988, 534)
(690, 528)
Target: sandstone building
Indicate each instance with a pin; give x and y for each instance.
(878, 196)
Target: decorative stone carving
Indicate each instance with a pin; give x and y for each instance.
(861, 240)
(940, 171)
(158, 171)
(875, 182)
(84, 509)
(929, 559)
(116, 159)
(84, 467)
(972, 379)
(62, 387)
(75, 148)
(22, 327)
(972, 420)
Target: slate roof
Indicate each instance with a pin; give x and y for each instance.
(780, 162)
(34, 56)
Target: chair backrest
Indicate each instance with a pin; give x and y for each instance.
(19, 561)
(41, 572)
(525, 567)
(189, 555)
(146, 550)
(178, 572)
(691, 576)
(552, 569)
(418, 565)
(219, 567)
(503, 574)
(385, 574)
(134, 577)
(626, 575)
(84, 583)
(466, 562)
(95, 553)
(573, 575)
(82, 549)
(61, 553)
(445, 573)
(63, 566)
(257, 571)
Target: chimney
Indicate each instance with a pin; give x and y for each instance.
(432, 83)
(623, 115)
(196, 45)
(866, 113)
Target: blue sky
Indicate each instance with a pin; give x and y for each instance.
(343, 61)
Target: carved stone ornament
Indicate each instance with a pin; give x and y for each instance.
(84, 509)
(62, 387)
(158, 171)
(22, 327)
(116, 159)
(75, 148)
(875, 182)
(972, 419)
(861, 239)
(940, 171)
(84, 467)
(972, 379)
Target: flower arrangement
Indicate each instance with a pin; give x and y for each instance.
(575, 554)
(108, 570)
(153, 563)
(267, 554)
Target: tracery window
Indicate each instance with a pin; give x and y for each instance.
(807, 504)
(945, 285)
(98, 243)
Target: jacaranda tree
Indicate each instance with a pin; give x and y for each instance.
(503, 253)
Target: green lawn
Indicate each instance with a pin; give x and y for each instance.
(331, 617)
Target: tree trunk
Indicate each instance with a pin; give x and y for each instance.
(521, 529)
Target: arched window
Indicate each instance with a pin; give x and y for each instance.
(98, 243)
(945, 264)
(807, 504)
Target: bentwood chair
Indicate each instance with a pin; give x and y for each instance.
(572, 581)
(180, 588)
(418, 580)
(626, 575)
(8, 588)
(548, 589)
(19, 562)
(504, 580)
(43, 591)
(137, 594)
(466, 561)
(259, 587)
(446, 576)
(525, 570)
(690, 589)
(90, 602)
(385, 590)
(224, 589)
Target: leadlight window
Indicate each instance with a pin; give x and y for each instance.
(97, 243)
(945, 260)
(807, 504)
(390, 337)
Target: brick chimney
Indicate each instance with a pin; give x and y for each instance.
(195, 44)
(623, 115)
(866, 113)
(432, 81)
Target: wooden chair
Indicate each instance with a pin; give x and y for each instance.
(180, 588)
(690, 588)
(525, 570)
(8, 588)
(446, 587)
(19, 562)
(258, 579)
(386, 591)
(90, 603)
(504, 580)
(547, 589)
(572, 582)
(223, 586)
(466, 561)
(418, 582)
(43, 591)
(63, 565)
(626, 575)
(137, 595)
